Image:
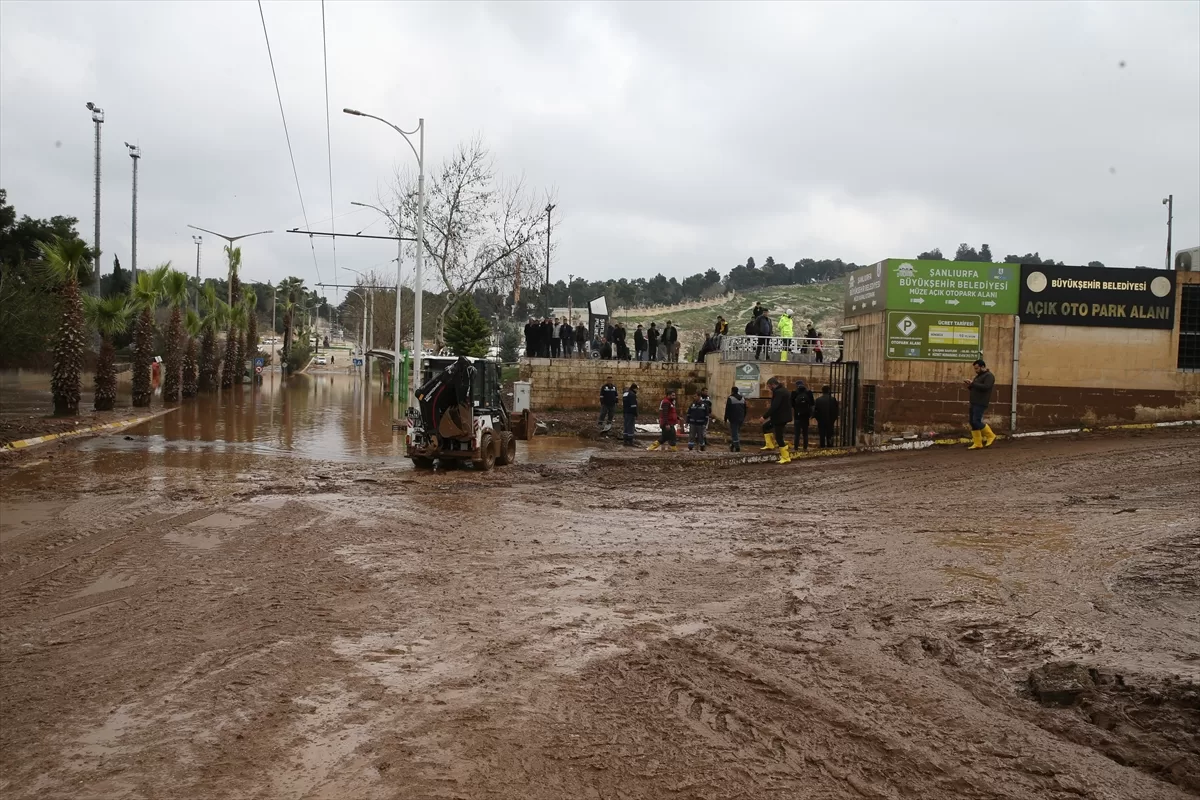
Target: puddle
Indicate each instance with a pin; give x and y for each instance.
(19, 518)
(221, 521)
(108, 582)
(199, 541)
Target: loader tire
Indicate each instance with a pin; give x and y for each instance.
(487, 453)
(508, 449)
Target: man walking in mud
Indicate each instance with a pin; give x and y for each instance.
(776, 419)
(668, 418)
(981, 395)
(608, 402)
(629, 407)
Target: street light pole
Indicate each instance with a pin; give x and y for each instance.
(549, 207)
(1169, 202)
(418, 285)
(135, 153)
(98, 118)
(231, 240)
(198, 240)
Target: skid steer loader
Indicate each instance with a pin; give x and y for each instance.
(460, 415)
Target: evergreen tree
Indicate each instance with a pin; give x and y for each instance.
(467, 332)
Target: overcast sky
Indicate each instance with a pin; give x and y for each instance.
(676, 137)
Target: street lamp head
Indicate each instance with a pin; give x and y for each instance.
(134, 150)
(1164, 202)
(97, 112)
(350, 111)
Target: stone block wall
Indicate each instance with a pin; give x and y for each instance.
(572, 384)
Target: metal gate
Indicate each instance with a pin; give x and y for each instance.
(843, 383)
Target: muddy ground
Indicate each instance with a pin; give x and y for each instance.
(262, 627)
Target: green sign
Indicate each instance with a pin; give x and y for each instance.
(952, 286)
(920, 336)
(865, 292)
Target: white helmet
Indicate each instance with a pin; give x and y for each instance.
(790, 312)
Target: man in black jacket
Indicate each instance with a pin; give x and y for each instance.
(670, 343)
(652, 342)
(546, 337)
(581, 341)
(629, 405)
(735, 415)
(639, 343)
(566, 335)
(981, 395)
(776, 419)
(764, 335)
(530, 339)
(608, 402)
(825, 409)
(802, 408)
(622, 345)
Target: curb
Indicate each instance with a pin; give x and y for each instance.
(21, 444)
(761, 457)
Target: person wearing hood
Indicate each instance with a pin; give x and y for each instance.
(608, 402)
(629, 405)
(785, 333)
(802, 408)
(776, 419)
(764, 335)
(735, 415)
(697, 418)
(668, 418)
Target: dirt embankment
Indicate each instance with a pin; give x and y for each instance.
(1018, 623)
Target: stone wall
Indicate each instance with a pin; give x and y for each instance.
(565, 383)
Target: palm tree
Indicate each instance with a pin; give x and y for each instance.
(289, 288)
(250, 300)
(192, 325)
(235, 359)
(147, 293)
(210, 360)
(66, 264)
(109, 317)
(175, 291)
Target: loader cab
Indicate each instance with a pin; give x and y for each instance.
(485, 389)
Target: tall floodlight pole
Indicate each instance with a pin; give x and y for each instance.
(549, 208)
(98, 118)
(198, 241)
(399, 294)
(418, 285)
(135, 153)
(231, 240)
(1169, 202)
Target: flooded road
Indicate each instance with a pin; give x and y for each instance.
(232, 605)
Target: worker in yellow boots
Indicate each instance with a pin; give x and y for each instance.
(784, 328)
(981, 395)
(776, 419)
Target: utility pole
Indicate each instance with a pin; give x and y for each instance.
(549, 207)
(231, 240)
(198, 240)
(570, 305)
(135, 153)
(1169, 202)
(98, 118)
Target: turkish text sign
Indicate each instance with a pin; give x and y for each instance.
(920, 336)
(963, 286)
(1097, 297)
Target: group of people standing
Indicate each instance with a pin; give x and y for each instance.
(553, 337)
(761, 327)
(799, 406)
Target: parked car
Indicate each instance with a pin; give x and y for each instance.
(321, 361)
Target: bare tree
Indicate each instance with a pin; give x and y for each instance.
(480, 229)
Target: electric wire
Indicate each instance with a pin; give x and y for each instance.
(329, 141)
(288, 137)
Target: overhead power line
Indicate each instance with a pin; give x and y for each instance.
(328, 136)
(287, 136)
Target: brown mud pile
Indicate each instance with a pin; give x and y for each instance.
(1018, 623)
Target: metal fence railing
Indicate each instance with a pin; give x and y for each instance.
(768, 348)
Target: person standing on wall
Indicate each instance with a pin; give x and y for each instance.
(652, 337)
(555, 342)
(622, 343)
(802, 409)
(735, 415)
(629, 407)
(566, 335)
(776, 419)
(670, 343)
(981, 395)
(530, 339)
(764, 336)
(608, 402)
(668, 418)
(581, 341)
(639, 343)
(825, 409)
(547, 338)
(785, 333)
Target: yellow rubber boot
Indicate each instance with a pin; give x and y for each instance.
(785, 455)
(770, 445)
(976, 440)
(674, 448)
(988, 436)
(653, 446)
